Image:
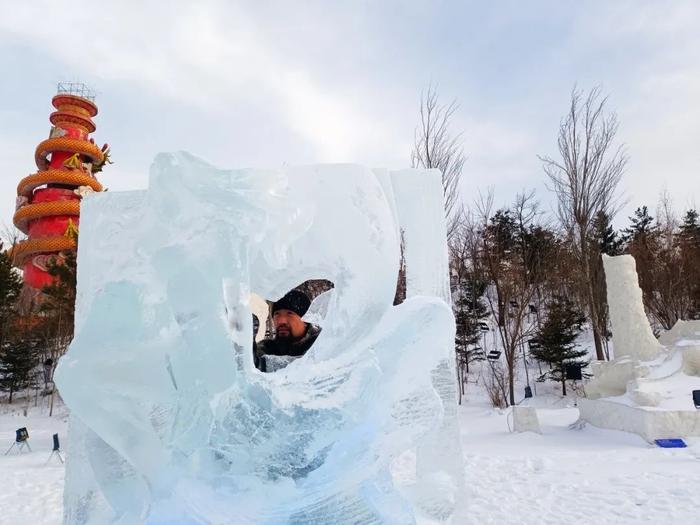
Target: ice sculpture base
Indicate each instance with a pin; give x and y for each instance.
(647, 389)
(648, 422)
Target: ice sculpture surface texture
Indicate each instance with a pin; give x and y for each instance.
(171, 422)
(632, 335)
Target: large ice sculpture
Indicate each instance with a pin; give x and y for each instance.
(171, 422)
(647, 388)
(633, 336)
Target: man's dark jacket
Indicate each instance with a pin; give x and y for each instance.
(284, 347)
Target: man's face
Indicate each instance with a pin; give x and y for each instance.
(288, 325)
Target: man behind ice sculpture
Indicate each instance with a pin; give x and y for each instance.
(293, 336)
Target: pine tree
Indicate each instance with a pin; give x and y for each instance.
(501, 236)
(606, 241)
(515, 253)
(469, 310)
(18, 358)
(59, 297)
(10, 287)
(641, 226)
(557, 338)
(642, 241)
(503, 231)
(690, 229)
(688, 241)
(605, 236)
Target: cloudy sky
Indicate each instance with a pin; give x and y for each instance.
(270, 83)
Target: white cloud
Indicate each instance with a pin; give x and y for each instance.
(656, 45)
(336, 83)
(210, 55)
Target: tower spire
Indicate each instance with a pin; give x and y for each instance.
(48, 201)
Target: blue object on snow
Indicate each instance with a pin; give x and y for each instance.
(670, 443)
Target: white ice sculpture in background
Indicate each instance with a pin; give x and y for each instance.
(647, 388)
(632, 336)
(170, 421)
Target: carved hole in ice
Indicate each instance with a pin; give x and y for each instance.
(317, 290)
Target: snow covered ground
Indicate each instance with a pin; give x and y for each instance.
(573, 476)
(562, 476)
(31, 490)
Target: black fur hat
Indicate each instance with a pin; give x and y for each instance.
(295, 301)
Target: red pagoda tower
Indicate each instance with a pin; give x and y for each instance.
(48, 201)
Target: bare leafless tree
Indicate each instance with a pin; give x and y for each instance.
(666, 219)
(515, 265)
(585, 180)
(436, 146)
(467, 284)
(10, 235)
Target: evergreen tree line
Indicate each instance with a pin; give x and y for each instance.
(34, 334)
(667, 254)
(517, 275)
